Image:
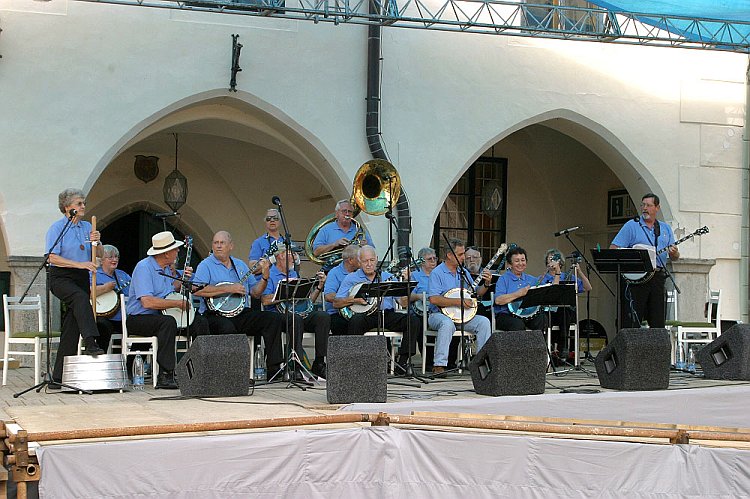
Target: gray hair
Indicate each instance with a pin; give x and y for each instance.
(109, 251)
(365, 249)
(350, 251)
(66, 197)
(339, 203)
(425, 252)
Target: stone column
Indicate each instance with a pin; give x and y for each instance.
(691, 276)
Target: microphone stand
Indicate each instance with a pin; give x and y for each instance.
(48, 317)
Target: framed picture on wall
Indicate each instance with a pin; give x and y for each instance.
(620, 207)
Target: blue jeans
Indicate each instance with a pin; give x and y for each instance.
(445, 327)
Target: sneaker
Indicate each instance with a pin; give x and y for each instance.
(166, 381)
(319, 369)
(92, 347)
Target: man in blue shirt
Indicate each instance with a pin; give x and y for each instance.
(512, 286)
(221, 267)
(147, 299)
(339, 233)
(316, 322)
(648, 298)
(444, 278)
(349, 263)
(360, 323)
(273, 235)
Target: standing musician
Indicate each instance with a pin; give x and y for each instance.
(110, 279)
(361, 323)
(513, 285)
(69, 267)
(316, 322)
(444, 278)
(648, 298)
(339, 233)
(147, 299)
(349, 263)
(474, 266)
(273, 235)
(563, 316)
(222, 267)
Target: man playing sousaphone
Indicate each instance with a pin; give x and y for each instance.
(360, 323)
(340, 232)
(316, 322)
(223, 274)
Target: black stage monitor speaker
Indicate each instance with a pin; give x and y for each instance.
(728, 356)
(510, 363)
(215, 365)
(357, 369)
(637, 359)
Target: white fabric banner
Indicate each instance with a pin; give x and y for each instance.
(388, 462)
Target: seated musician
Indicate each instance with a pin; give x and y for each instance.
(147, 298)
(262, 245)
(349, 263)
(562, 317)
(512, 287)
(444, 278)
(339, 233)
(474, 266)
(360, 323)
(222, 267)
(316, 322)
(110, 279)
(422, 276)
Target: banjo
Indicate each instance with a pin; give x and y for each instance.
(183, 317)
(231, 304)
(107, 304)
(454, 311)
(357, 308)
(641, 277)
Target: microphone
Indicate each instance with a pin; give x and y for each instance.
(566, 231)
(276, 200)
(73, 212)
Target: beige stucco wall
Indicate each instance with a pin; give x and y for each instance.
(84, 87)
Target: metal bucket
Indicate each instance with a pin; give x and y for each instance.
(103, 372)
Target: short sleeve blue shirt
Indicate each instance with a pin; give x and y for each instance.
(262, 244)
(510, 283)
(148, 281)
(442, 280)
(330, 233)
(122, 282)
(333, 283)
(358, 277)
(423, 282)
(548, 279)
(275, 276)
(211, 271)
(638, 233)
(73, 245)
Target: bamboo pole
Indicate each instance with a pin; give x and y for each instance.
(94, 244)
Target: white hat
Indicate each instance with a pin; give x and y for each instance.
(163, 242)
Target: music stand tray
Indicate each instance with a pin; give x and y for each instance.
(612, 261)
(386, 288)
(295, 289)
(551, 295)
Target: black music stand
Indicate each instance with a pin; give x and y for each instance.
(293, 291)
(617, 261)
(548, 296)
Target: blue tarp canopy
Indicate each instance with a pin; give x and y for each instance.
(705, 10)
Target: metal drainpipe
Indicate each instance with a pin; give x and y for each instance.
(745, 230)
(372, 128)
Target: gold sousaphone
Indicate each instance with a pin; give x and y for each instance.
(376, 186)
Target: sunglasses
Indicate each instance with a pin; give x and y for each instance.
(272, 219)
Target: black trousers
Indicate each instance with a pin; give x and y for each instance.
(72, 287)
(164, 328)
(648, 302)
(394, 321)
(107, 328)
(253, 323)
(563, 317)
(318, 323)
(509, 322)
(339, 325)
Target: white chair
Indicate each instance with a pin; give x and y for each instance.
(37, 338)
(129, 341)
(687, 333)
(429, 336)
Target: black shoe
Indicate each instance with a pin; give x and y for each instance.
(297, 375)
(403, 360)
(319, 369)
(92, 347)
(166, 381)
(54, 385)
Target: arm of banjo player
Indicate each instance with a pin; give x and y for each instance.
(210, 291)
(511, 297)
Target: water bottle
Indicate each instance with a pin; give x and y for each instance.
(138, 372)
(680, 361)
(259, 372)
(691, 361)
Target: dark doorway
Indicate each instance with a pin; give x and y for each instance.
(131, 234)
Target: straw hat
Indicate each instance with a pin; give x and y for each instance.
(163, 242)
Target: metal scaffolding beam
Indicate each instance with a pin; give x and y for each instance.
(500, 17)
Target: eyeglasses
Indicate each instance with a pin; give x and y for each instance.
(430, 259)
(272, 219)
